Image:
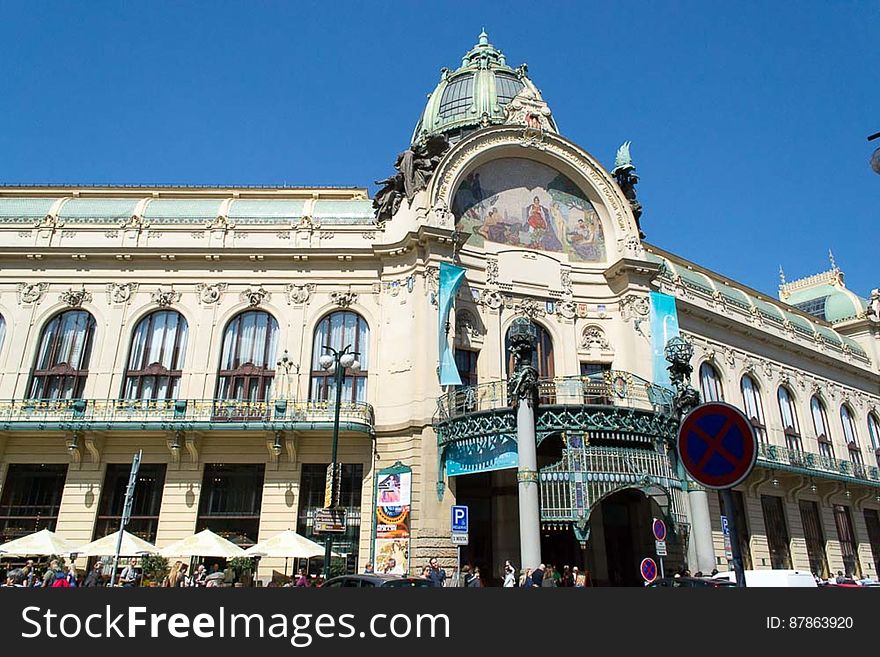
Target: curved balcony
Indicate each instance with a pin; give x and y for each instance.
(613, 405)
(816, 465)
(177, 414)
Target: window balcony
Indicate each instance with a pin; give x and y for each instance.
(795, 460)
(163, 414)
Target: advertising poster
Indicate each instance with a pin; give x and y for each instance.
(392, 522)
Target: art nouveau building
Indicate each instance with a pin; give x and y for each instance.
(188, 322)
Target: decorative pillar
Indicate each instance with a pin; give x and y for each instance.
(523, 392)
(701, 549)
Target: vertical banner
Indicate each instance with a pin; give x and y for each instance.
(451, 277)
(664, 326)
(393, 503)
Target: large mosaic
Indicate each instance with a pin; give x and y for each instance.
(525, 203)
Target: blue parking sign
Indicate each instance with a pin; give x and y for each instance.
(459, 520)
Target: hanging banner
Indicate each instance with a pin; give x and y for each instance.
(392, 520)
(482, 454)
(451, 277)
(664, 326)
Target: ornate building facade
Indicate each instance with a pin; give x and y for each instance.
(189, 323)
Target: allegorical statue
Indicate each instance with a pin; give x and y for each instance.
(414, 169)
(624, 173)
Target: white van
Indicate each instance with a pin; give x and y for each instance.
(774, 578)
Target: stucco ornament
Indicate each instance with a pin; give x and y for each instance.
(210, 293)
(165, 298)
(121, 292)
(31, 292)
(343, 299)
(594, 337)
(75, 298)
(254, 296)
(300, 294)
(567, 309)
(492, 299)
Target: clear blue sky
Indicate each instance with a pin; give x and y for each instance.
(748, 119)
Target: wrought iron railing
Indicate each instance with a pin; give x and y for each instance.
(585, 475)
(612, 388)
(135, 411)
(793, 458)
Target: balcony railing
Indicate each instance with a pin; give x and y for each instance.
(816, 463)
(613, 388)
(107, 413)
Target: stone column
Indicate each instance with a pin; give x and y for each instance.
(701, 531)
(523, 391)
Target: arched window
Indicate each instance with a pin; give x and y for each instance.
(247, 362)
(788, 413)
(874, 431)
(850, 434)
(62, 364)
(710, 384)
(754, 408)
(338, 330)
(155, 359)
(820, 424)
(542, 357)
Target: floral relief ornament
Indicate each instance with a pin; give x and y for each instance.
(343, 299)
(75, 298)
(31, 292)
(165, 298)
(210, 293)
(594, 338)
(254, 296)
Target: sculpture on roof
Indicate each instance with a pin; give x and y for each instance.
(624, 173)
(415, 166)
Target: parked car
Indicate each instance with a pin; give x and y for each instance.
(773, 578)
(373, 581)
(691, 583)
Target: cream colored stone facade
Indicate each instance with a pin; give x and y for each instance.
(321, 252)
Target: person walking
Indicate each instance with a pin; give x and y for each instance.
(129, 576)
(538, 576)
(525, 580)
(474, 580)
(509, 575)
(368, 569)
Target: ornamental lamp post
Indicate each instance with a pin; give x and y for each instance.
(338, 362)
(875, 156)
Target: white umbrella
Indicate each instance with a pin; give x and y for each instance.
(204, 544)
(131, 546)
(287, 544)
(40, 544)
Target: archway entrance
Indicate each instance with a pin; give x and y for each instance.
(493, 507)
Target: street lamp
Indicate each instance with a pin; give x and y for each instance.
(337, 362)
(875, 156)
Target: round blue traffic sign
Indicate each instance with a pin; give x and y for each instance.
(717, 445)
(648, 568)
(659, 529)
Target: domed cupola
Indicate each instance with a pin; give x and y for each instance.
(474, 95)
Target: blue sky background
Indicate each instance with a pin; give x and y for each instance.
(748, 119)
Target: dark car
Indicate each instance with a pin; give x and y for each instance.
(373, 581)
(691, 583)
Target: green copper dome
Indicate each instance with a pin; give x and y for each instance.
(474, 95)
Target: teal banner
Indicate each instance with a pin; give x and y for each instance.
(451, 277)
(481, 455)
(664, 326)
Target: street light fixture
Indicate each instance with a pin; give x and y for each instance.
(337, 362)
(875, 156)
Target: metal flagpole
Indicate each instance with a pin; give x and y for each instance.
(126, 511)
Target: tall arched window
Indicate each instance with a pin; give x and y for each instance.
(542, 358)
(754, 408)
(710, 384)
(62, 364)
(155, 359)
(338, 330)
(788, 413)
(820, 424)
(851, 435)
(247, 362)
(874, 431)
